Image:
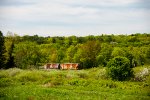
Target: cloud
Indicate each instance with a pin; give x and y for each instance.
(15, 3)
(74, 16)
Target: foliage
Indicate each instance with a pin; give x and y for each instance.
(119, 68)
(118, 52)
(26, 55)
(5, 82)
(141, 75)
(9, 44)
(105, 55)
(2, 51)
(90, 51)
(69, 84)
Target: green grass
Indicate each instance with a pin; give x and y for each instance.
(90, 84)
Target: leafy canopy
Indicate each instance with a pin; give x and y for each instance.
(119, 68)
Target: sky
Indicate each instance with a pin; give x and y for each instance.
(74, 17)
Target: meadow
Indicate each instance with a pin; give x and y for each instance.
(87, 84)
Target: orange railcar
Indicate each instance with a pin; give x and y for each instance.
(69, 66)
(61, 66)
(52, 66)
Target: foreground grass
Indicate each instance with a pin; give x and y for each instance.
(16, 84)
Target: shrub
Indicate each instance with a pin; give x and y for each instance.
(14, 71)
(3, 74)
(78, 82)
(83, 74)
(119, 68)
(142, 75)
(5, 82)
(101, 74)
(50, 82)
(71, 74)
(29, 76)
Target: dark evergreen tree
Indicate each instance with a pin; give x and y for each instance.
(10, 61)
(2, 51)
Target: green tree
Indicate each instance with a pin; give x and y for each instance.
(87, 53)
(119, 68)
(74, 40)
(148, 55)
(60, 54)
(27, 54)
(67, 42)
(104, 55)
(118, 52)
(70, 54)
(139, 54)
(53, 56)
(46, 51)
(2, 51)
(9, 44)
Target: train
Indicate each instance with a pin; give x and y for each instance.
(68, 66)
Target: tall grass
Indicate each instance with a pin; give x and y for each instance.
(70, 84)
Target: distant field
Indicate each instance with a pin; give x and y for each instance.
(90, 84)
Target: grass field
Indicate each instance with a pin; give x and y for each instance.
(90, 84)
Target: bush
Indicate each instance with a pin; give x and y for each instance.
(119, 69)
(3, 74)
(101, 74)
(29, 76)
(78, 82)
(5, 82)
(142, 75)
(14, 71)
(83, 74)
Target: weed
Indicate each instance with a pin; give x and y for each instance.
(70, 84)
(5, 82)
(83, 74)
(32, 76)
(14, 71)
(3, 74)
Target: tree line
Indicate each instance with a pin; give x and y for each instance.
(90, 51)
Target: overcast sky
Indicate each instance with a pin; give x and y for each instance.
(74, 17)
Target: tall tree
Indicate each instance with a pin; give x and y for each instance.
(118, 52)
(27, 55)
(9, 44)
(88, 53)
(104, 55)
(70, 52)
(2, 51)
